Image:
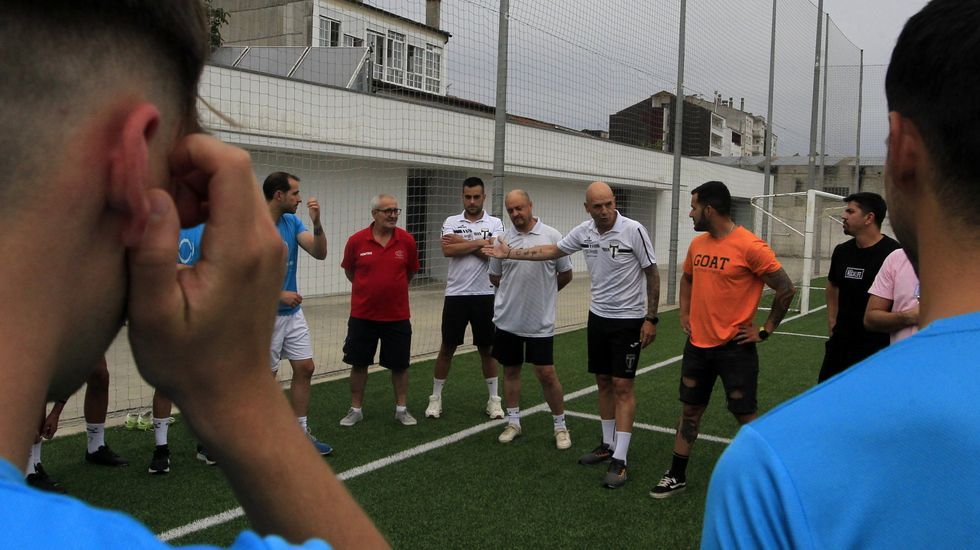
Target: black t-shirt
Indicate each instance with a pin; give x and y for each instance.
(853, 270)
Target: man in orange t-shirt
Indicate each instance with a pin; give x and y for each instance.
(724, 272)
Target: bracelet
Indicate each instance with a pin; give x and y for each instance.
(318, 231)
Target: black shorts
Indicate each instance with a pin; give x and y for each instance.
(512, 350)
(736, 364)
(458, 311)
(614, 346)
(362, 342)
(839, 355)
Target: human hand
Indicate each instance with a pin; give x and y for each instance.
(911, 315)
(648, 332)
(496, 248)
(290, 298)
(686, 323)
(747, 333)
(50, 425)
(452, 238)
(314, 207)
(201, 335)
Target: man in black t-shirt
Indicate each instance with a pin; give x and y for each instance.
(853, 267)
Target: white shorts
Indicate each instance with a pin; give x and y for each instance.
(290, 339)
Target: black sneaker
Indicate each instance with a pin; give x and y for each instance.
(600, 454)
(203, 456)
(105, 457)
(669, 485)
(616, 474)
(161, 460)
(40, 480)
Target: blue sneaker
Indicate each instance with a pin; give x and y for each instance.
(321, 447)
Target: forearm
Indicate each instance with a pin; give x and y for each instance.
(653, 290)
(831, 294)
(463, 248)
(685, 296)
(319, 243)
(538, 253)
(303, 501)
(780, 305)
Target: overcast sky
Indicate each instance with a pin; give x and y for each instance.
(872, 25)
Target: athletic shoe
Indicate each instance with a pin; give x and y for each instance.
(40, 480)
(600, 454)
(510, 433)
(405, 418)
(140, 421)
(563, 439)
(616, 474)
(321, 447)
(131, 420)
(161, 460)
(203, 456)
(669, 485)
(434, 410)
(494, 409)
(353, 417)
(105, 457)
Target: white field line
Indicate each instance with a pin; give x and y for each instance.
(229, 515)
(652, 428)
(803, 335)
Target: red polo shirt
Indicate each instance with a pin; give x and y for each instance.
(380, 290)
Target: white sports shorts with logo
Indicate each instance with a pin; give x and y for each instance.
(290, 339)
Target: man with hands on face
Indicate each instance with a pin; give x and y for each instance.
(625, 287)
(724, 273)
(291, 336)
(118, 111)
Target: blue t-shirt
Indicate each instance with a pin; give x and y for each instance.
(884, 455)
(189, 245)
(35, 519)
(290, 226)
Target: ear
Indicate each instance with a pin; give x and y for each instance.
(906, 153)
(129, 170)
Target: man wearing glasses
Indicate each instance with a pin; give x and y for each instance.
(379, 261)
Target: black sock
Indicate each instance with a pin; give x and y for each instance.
(678, 467)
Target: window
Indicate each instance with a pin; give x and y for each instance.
(376, 42)
(433, 68)
(395, 57)
(329, 32)
(353, 41)
(416, 67)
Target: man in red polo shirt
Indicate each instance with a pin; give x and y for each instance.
(380, 261)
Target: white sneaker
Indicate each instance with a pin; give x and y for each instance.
(405, 418)
(494, 410)
(435, 407)
(353, 417)
(510, 433)
(563, 440)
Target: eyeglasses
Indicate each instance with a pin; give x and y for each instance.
(389, 211)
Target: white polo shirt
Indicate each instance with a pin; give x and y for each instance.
(525, 301)
(468, 274)
(616, 260)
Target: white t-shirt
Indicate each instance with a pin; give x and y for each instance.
(525, 301)
(896, 281)
(616, 260)
(468, 274)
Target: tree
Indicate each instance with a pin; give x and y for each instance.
(216, 18)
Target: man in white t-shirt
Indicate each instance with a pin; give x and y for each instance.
(469, 294)
(524, 314)
(623, 318)
(893, 299)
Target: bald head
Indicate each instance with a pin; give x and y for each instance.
(600, 203)
(518, 206)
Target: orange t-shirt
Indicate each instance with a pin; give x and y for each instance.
(727, 283)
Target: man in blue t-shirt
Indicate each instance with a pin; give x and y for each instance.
(884, 454)
(291, 336)
(118, 110)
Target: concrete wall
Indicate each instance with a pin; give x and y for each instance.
(267, 22)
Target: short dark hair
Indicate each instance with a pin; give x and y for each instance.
(474, 181)
(716, 195)
(870, 203)
(276, 181)
(932, 80)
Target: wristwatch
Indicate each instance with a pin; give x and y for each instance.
(653, 320)
(763, 334)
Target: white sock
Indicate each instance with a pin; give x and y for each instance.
(400, 409)
(514, 416)
(609, 432)
(96, 436)
(437, 386)
(302, 422)
(160, 427)
(622, 445)
(33, 459)
(492, 386)
(559, 421)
